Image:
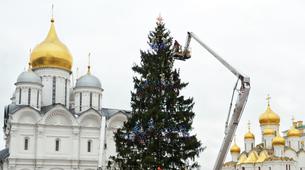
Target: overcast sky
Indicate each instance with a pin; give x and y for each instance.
(263, 39)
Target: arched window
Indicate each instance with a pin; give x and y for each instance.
(89, 146)
(90, 99)
(29, 97)
(54, 90)
(259, 168)
(26, 143)
(19, 96)
(80, 101)
(57, 143)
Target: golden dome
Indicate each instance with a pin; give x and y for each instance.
(51, 53)
(268, 131)
(235, 149)
(293, 132)
(278, 140)
(269, 117)
(249, 135)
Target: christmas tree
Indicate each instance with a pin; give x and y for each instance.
(157, 135)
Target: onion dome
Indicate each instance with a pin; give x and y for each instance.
(235, 149)
(51, 52)
(29, 77)
(249, 134)
(269, 117)
(88, 80)
(293, 132)
(268, 132)
(278, 141)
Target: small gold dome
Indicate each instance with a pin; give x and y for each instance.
(268, 131)
(235, 148)
(278, 141)
(269, 117)
(293, 132)
(51, 53)
(249, 135)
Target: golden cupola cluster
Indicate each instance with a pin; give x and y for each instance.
(51, 53)
(269, 117)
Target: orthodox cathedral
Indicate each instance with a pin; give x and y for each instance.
(275, 151)
(53, 124)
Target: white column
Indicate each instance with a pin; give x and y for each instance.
(101, 159)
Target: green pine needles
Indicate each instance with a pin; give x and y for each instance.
(157, 135)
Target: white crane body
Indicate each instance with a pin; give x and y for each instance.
(243, 93)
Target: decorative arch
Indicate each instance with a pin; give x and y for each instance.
(90, 118)
(117, 120)
(26, 115)
(59, 116)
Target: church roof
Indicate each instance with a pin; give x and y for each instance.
(108, 112)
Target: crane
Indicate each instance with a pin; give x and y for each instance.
(243, 93)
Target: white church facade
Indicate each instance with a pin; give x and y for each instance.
(52, 124)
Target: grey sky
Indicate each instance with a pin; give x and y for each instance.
(264, 39)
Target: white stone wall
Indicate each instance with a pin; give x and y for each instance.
(113, 124)
(42, 132)
(249, 144)
(267, 139)
(85, 104)
(294, 143)
(47, 75)
(25, 94)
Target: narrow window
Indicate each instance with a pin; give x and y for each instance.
(80, 101)
(90, 99)
(37, 98)
(29, 97)
(89, 145)
(251, 146)
(99, 102)
(26, 144)
(19, 95)
(54, 91)
(66, 90)
(57, 145)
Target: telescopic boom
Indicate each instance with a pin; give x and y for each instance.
(241, 101)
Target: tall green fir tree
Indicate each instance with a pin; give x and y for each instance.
(158, 134)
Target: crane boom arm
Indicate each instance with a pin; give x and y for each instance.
(240, 102)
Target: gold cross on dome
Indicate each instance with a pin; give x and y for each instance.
(52, 13)
(268, 99)
(249, 125)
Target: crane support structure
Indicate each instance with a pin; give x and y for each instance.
(243, 93)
